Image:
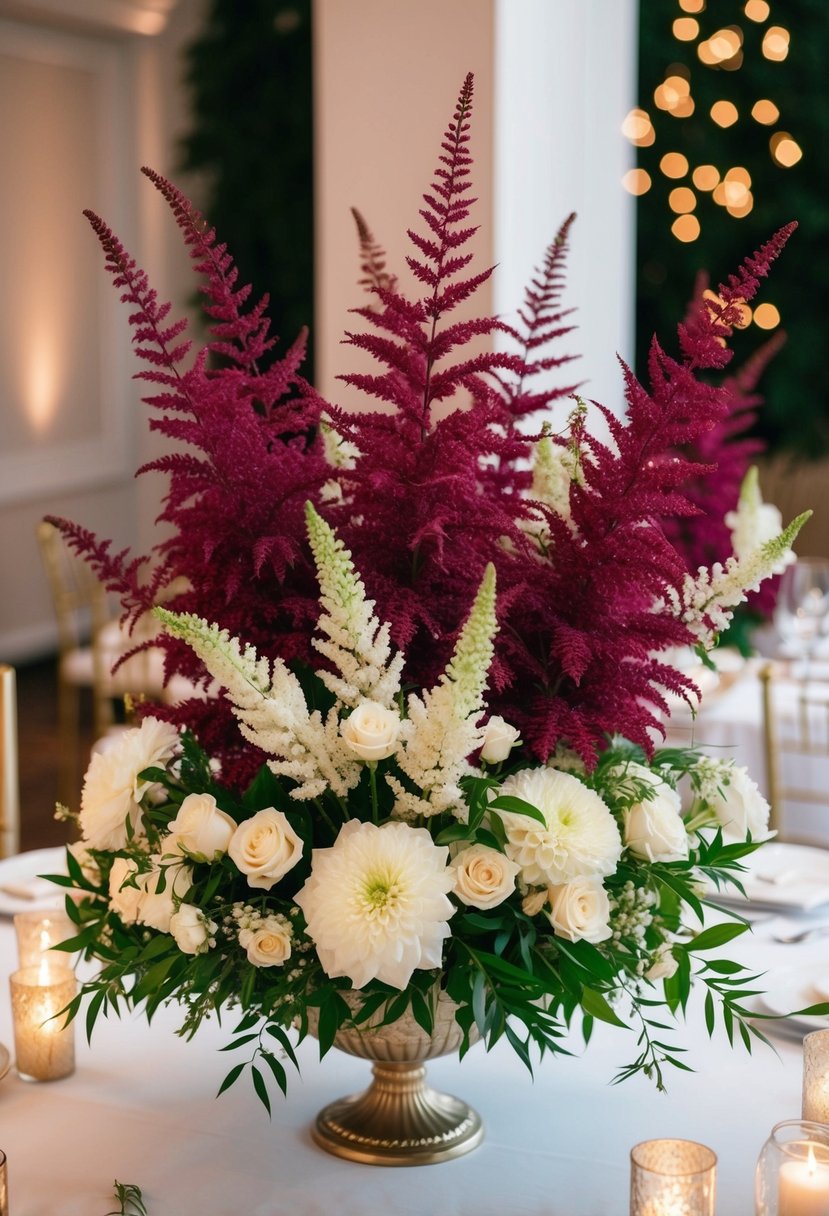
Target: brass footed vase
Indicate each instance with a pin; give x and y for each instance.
(399, 1119)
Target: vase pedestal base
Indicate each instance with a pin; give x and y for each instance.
(399, 1120)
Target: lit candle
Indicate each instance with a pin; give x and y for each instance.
(804, 1187)
(38, 932)
(44, 1045)
(672, 1178)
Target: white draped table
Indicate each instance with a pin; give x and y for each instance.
(141, 1108)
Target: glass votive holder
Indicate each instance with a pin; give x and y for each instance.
(672, 1178)
(816, 1077)
(44, 1043)
(792, 1176)
(38, 932)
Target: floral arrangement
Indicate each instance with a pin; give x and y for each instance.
(432, 658)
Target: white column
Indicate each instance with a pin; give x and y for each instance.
(565, 77)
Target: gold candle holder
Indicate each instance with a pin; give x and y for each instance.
(37, 934)
(816, 1077)
(44, 1043)
(4, 1185)
(672, 1178)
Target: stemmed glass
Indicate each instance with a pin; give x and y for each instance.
(802, 607)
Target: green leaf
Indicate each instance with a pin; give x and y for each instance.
(596, 1005)
(516, 806)
(716, 935)
(261, 1088)
(231, 1078)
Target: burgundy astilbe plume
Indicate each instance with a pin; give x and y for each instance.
(247, 460)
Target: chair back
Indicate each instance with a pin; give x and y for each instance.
(796, 745)
(9, 776)
(78, 597)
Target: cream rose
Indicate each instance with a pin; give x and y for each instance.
(202, 829)
(654, 828)
(191, 929)
(739, 806)
(156, 907)
(124, 900)
(483, 876)
(269, 944)
(265, 847)
(580, 910)
(371, 731)
(499, 740)
(663, 965)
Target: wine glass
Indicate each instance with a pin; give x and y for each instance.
(802, 609)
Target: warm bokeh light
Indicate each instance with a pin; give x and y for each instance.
(738, 174)
(41, 369)
(785, 151)
(671, 94)
(681, 200)
(692, 6)
(718, 195)
(756, 10)
(685, 228)
(738, 210)
(766, 316)
(776, 43)
(684, 108)
(705, 177)
(638, 128)
(745, 311)
(637, 181)
(674, 164)
(765, 111)
(685, 29)
(724, 113)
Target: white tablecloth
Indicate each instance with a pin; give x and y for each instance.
(141, 1108)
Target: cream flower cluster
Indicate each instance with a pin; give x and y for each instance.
(266, 939)
(112, 790)
(732, 799)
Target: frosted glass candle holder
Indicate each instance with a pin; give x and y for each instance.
(816, 1077)
(672, 1178)
(44, 1045)
(39, 932)
(792, 1176)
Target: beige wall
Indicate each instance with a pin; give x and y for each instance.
(386, 79)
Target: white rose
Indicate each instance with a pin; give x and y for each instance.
(483, 876)
(371, 731)
(654, 828)
(112, 790)
(580, 910)
(739, 806)
(202, 829)
(265, 847)
(124, 900)
(191, 929)
(268, 945)
(156, 907)
(499, 740)
(664, 964)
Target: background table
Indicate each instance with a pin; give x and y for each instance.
(141, 1108)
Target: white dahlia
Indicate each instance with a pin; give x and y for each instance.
(112, 790)
(578, 839)
(376, 903)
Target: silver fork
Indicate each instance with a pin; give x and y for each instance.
(801, 935)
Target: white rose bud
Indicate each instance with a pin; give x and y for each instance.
(371, 731)
(664, 964)
(202, 829)
(580, 910)
(741, 808)
(156, 907)
(499, 740)
(191, 929)
(268, 945)
(653, 828)
(124, 900)
(483, 876)
(534, 901)
(265, 847)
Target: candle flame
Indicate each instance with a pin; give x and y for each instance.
(811, 1163)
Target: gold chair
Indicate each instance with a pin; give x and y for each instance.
(796, 745)
(9, 779)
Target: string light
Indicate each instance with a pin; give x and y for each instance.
(785, 151)
(776, 43)
(685, 228)
(682, 199)
(638, 128)
(766, 316)
(724, 113)
(674, 164)
(685, 29)
(637, 181)
(757, 10)
(692, 6)
(705, 177)
(765, 111)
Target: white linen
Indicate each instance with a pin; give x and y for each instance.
(141, 1108)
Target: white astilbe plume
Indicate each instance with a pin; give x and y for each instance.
(355, 642)
(754, 522)
(340, 454)
(705, 603)
(555, 467)
(271, 709)
(441, 729)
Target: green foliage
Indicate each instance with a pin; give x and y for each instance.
(796, 384)
(130, 1199)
